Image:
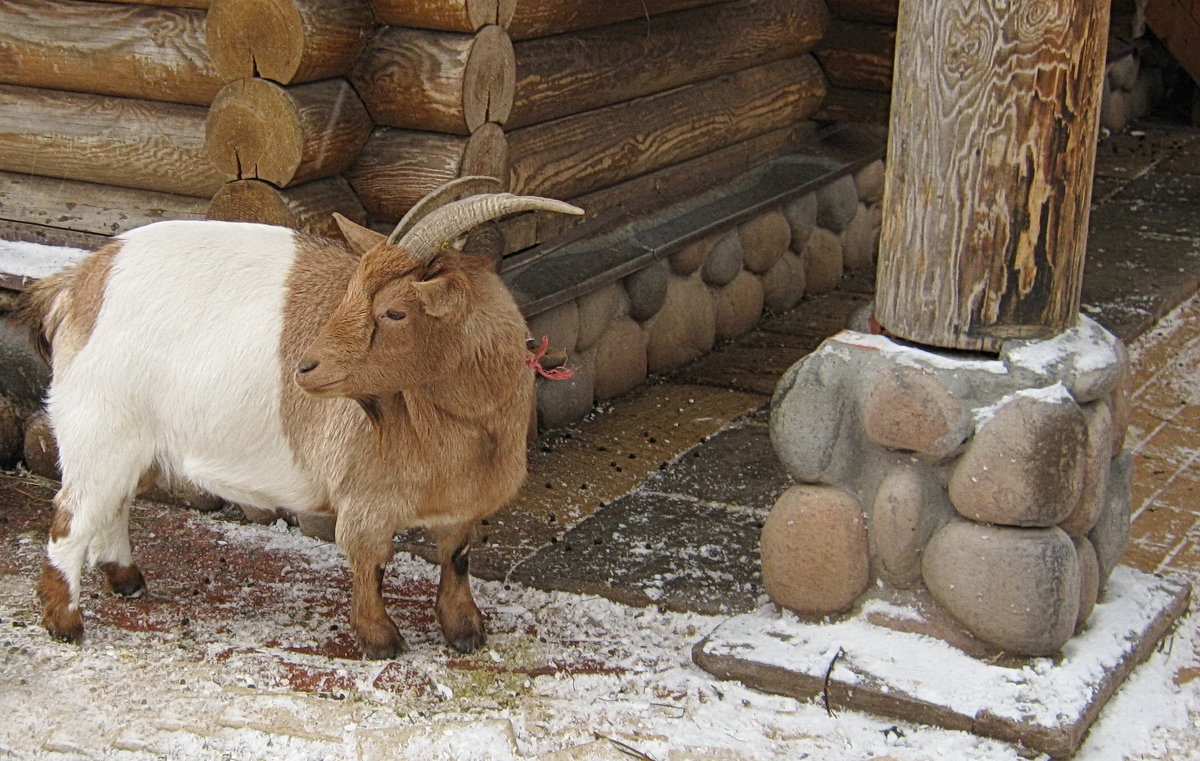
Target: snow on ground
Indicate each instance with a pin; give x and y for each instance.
(35, 259)
(204, 693)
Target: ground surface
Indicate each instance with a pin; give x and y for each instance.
(241, 650)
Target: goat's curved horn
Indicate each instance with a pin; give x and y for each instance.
(444, 194)
(444, 224)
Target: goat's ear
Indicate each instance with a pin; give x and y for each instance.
(442, 295)
(361, 239)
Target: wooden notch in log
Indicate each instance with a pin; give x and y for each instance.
(308, 207)
(257, 129)
(87, 207)
(437, 81)
(288, 41)
(136, 51)
(399, 167)
(570, 73)
(858, 56)
(578, 154)
(990, 157)
(113, 141)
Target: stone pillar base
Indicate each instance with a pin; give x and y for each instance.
(997, 484)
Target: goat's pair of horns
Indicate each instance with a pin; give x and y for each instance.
(434, 222)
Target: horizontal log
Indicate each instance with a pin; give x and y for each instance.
(108, 49)
(49, 236)
(877, 11)
(307, 207)
(663, 186)
(113, 141)
(164, 3)
(570, 73)
(88, 207)
(437, 81)
(858, 106)
(445, 15)
(858, 55)
(522, 20)
(257, 129)
(399, 167)
(578, 154)
(288, 41)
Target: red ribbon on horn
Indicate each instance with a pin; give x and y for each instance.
(555, 373)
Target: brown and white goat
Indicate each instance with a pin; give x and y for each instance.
(384, 383)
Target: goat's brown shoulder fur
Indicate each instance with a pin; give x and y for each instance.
(61, 310)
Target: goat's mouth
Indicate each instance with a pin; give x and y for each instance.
(315, 388)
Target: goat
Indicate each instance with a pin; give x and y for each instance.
(384, 383)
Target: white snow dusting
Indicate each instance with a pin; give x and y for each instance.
(36, 260)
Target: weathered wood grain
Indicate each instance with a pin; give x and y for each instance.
(288, 41)
(113, 141)
(858, 56)
(87, 207)
(860, 106)
(546, 17)
(307, 207)
(399, 167)
(437, 81)
(878, 11)
(578, 71)
(257, 129)
(137, 51)
(445, 15)
(577, 154)
(163, 3)
(995, 110)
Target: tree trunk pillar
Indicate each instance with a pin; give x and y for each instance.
(995, 109)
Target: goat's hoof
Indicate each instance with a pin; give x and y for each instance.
(381, 642)
(63, 624)
(124, 580)
(468, 642)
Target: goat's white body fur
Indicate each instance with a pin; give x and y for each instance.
(160, 383)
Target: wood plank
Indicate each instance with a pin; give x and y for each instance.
(257, 129)
(570, 73)
(88, 207)
(983, 239)
(858, 56)
(1177, 24)
(113, 141)
(107, 48)
(577, 154)
(444, 15)
(49, 236)
(163, 3)
(288, 41)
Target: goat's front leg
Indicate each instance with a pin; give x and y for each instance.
(461, 621)
(369, 549)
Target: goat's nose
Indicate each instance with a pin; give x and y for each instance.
(306, 366)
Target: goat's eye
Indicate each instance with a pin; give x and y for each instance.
(395, 314)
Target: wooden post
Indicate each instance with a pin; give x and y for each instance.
(995, 109)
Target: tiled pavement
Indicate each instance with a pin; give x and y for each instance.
(657, 498)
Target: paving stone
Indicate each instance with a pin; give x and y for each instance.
(299, 716)
(814, 550)
(1025, 464)
(648, 548)
(836, 204)
(783, 284)
(724, 260)
(597, 310)
(738, 306)
(647, 289)
(745, 365)
(734, 467)
(764, 239)
(822, 261)
(620, 359)
(1031, 607)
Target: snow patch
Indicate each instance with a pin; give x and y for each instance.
(36, 260)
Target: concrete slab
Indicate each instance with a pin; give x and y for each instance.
(882, 660)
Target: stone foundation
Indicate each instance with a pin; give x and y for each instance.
(1000, 485)
(677, 309)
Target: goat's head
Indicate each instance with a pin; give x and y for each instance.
(399, 323)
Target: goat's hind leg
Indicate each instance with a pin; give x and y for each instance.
(459, 616)
(110, 552)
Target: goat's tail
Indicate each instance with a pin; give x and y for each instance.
(42, 310)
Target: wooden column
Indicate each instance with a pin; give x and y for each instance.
(995, 107)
